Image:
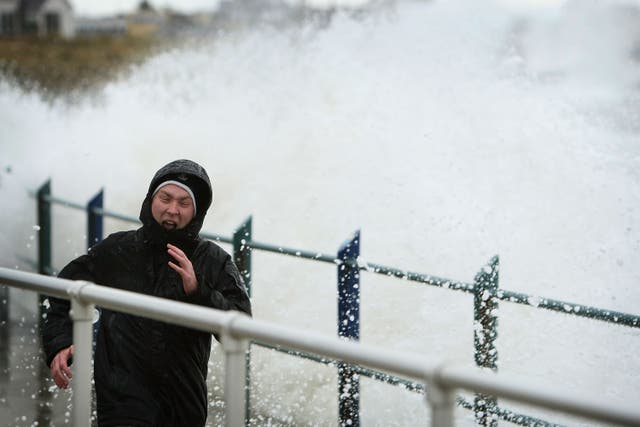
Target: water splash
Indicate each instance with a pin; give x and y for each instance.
(446, 131)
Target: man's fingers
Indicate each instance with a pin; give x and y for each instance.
(60, 380)
(67, 371)
(57, 375)
(176, 267)
(60, 371)
(177, 254)
(175, 249)
(183, 267)
(64, 361)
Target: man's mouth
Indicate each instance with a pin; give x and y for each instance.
(169, 225)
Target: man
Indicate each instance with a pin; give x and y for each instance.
(150, 373)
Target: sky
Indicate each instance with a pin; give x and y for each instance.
(110, 7)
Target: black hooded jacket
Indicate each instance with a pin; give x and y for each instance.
(151, 373)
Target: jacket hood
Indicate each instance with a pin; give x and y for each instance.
(191, 174)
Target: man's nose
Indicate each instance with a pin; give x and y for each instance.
(173, 208)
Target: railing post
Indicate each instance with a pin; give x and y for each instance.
(235, 351)
(82, 316)
(242, 259)
(44, 240)
(4, 308)
(242, 252)
(441, 400)
(349, 327)
(44, 229)
(94, 221)
(485, 306)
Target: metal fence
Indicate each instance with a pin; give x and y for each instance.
(236, 330)
(485, 289)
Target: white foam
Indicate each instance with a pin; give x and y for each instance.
(446, 131)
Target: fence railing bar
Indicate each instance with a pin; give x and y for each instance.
(296, 353)
(217, 237)
(299, 253)
(579, 310)
(115, 215)
(66, 203)
(523, 420)
(571, 308)
(464, 403)
(417, 277)
(508, 415)
(52, 286)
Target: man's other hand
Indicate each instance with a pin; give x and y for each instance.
(60, 371)
(184, 269)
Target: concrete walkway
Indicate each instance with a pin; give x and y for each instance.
(28, 396)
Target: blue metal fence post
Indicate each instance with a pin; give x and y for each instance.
(242, 259)
(349, 327)
(485, 305)
(94, 235)
(94, 221)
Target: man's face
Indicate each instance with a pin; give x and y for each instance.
(172, 207)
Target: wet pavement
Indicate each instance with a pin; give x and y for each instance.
(28, 396)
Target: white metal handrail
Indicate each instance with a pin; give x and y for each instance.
(236, 329)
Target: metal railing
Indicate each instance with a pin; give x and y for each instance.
(485, 290)
(236, 330)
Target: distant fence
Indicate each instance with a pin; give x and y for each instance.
(485, 290)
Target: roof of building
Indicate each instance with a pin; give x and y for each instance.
(33, 6)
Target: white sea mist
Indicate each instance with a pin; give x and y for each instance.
(446, 131)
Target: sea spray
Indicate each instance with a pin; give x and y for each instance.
(442, 130)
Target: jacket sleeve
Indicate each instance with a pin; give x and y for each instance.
(223, 290)
(57, 325)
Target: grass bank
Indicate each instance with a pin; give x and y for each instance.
(56, 67)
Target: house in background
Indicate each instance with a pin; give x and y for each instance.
(36, 17)
(110, 26)
(146, 20)
(8, 17)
